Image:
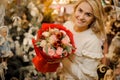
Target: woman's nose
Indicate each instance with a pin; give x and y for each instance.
(81, 16)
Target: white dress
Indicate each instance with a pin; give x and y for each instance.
(82, 65)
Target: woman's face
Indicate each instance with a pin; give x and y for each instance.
(83, 15)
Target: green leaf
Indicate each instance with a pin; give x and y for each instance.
(46, 49)
(38, 43)
(68, 48)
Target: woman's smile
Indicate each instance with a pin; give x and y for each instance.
(83, 15)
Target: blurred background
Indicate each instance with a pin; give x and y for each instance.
(24, 17)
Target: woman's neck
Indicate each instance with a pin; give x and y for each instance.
(80, 29)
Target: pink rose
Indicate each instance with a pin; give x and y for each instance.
(66, 40)
(59, 51)
(52, 39)
(51, 52)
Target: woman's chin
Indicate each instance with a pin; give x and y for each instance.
(79, 25)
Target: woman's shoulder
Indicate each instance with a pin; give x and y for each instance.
(68, 24)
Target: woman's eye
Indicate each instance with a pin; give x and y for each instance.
(80, 10)
(89, 14)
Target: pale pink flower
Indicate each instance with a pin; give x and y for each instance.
(52, 39)
(44, 49)
(66, 40)
(65, 53)
(51, 52)
(59, 51)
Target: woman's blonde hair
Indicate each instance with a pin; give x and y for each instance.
(98, 12)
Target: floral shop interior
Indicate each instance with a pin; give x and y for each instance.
(23, 18)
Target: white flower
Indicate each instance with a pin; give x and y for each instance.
(56, 30)
(51, 30)
(43, 43)
(46, 34)
(63, 32)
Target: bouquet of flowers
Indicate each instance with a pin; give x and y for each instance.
(53, 43)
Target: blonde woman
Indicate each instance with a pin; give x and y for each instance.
(87, 26)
